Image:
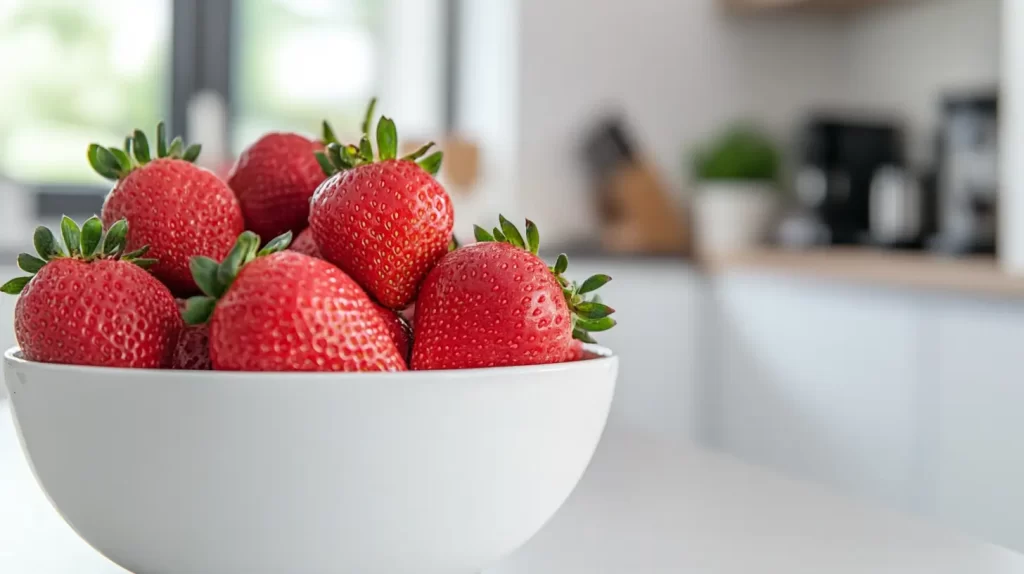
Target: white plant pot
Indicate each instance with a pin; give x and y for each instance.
(732, 216)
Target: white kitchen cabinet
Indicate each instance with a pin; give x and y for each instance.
(979, 462)
(657, 303)
(819, 380)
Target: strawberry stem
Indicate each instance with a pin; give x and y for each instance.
(337, 157)
(86, 243)
(214, 278)
(116, 163)
(588, 315)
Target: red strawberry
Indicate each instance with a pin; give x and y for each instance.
(576, 350)
(193, 350)
(176, 208)
(495, 303)
(304, 244)
(92, 304)
(276, 310)
(274, 179)
(398, 328)
(385, 223)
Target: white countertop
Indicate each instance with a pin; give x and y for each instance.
(642, 508)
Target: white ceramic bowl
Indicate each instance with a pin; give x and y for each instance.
(175, 472)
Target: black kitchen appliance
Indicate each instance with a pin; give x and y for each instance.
(968, 173)
(838, 161)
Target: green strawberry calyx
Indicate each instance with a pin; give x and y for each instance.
(589, 314)
(116, 163)
(214, 278)
(90, 242)
(338, 157)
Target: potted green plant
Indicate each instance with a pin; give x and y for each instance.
(736, 188)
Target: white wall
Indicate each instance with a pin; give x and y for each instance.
(1011, 202)
(678, 69)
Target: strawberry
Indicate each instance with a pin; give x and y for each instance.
(398, 329)
(495, 303)
(277, 310)
(304, 244)
(576, 350)
(90, 303)
(385, 223)
(166, 200)
(192, 352)
(274, 179)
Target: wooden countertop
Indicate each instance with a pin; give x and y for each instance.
(978, 275)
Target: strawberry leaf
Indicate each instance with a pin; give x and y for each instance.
(137, 253)
(141, 147)
(124, 162)
(365, 150)
(114, 242)
(161, 140)
(561, 264)
(420, 152)
(532, 237)
(72, 235)
(192, 152)
(593, 283)
(144, 262)
(499, 236)
(245, 250)
(369, 115)
(198, 309)
(591, 310)
(595, 325)
(174, 150)
(481, 234)
(103, 162)
(204, 272)
(582, 335)
(279, 243)
(92, 234)
(45, 244)
(15, 286)
(512, 234)
(432, 163)
(30, 263)
(325, 164)
(387, 139)
(328, 134)
(334, 153)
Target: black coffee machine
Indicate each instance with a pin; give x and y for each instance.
(839, 159)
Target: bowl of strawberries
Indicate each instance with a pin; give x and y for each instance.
(197, 393)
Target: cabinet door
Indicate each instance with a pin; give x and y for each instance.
(819, 381)
(979, 367)
(657, 304)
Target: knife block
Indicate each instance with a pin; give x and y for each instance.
(638, 214)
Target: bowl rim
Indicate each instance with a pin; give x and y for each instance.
(601, 356)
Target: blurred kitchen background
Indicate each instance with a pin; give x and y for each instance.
(816, 250)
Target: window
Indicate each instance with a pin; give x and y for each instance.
(78, 71)
(299, 62)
